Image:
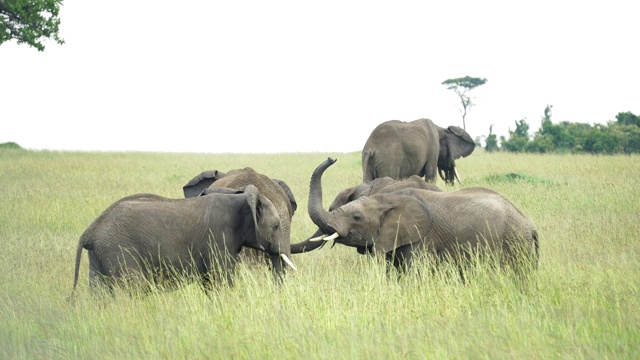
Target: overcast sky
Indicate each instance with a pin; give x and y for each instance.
(300, 76)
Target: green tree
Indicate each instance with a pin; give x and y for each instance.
(462, 86)
(542, 140)
(602, 140)
(558, 138)
(30, 21)
(540, 144)
(518, 139)
(491, 143)
(628, 137)
(628, 118)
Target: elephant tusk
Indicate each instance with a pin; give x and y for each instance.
(455, 172)
(332, 237)
(286, 259)
(318, 238)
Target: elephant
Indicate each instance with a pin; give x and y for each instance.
(447, 226)
(376, 186)
(400, 149)
(275, 190)
(146, 238)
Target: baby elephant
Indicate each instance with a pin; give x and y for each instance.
(149, 237)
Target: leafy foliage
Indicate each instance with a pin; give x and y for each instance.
(627, 118)
(620, 136)
(30, 21)
(491, 143)
(518, 139)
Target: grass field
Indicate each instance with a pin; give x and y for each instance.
(584, 303)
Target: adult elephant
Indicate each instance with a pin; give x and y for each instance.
(383, 185)
(275, 190)
(439, 224)
(156, 239)
(400, 149)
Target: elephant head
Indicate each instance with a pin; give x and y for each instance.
(380, 223)
(454, 144)
(275, 190)
(376, 186)
(269, 234)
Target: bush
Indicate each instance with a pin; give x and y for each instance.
(9, 145)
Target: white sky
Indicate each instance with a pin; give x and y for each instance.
(300, 76)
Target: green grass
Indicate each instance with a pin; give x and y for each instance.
(583, 302)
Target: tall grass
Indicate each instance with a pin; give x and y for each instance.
(583, 302)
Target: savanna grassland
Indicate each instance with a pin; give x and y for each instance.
(584, 301)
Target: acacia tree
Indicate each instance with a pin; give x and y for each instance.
(462, 86)
(30, 21)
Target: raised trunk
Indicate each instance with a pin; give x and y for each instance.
(316, 212)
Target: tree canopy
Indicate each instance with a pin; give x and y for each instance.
(30, 21)
(462, 86)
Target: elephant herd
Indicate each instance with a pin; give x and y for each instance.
(393, 213)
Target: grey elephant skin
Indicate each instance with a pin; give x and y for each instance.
(275, 190)
(443, 225)
(400, 149)
(152, 238)
(383, 185)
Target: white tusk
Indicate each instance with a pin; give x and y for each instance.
(440, 172)
(455, 172)
(286, 259)
(332, 237)
(318, 238)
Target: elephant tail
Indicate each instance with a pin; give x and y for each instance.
(536, 247)
(368, 165)
(77, 269)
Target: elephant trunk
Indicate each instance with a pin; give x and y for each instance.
(276, 266)
(448, 172)
(317, 213)
(308, 245)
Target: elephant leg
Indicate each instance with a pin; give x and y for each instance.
(520, 258)
(430, 172)
(220, 269)
(99, 280)
(401, 259)
(391, 268)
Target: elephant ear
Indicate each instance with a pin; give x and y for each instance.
(195, 186)
(253, 199)
(345, 196)
(459, 142)
(287, 190)
(405, 221)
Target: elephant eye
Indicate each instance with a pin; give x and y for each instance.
(276, 227)
(357, 217)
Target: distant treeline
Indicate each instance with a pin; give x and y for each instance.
(619, 136)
